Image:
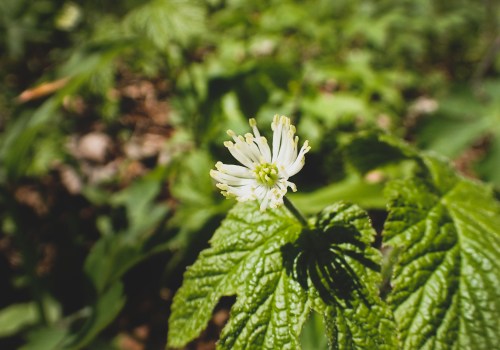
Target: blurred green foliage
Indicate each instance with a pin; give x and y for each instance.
(78, 230)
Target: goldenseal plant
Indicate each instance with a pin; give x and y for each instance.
(441, 272)
(265, 173)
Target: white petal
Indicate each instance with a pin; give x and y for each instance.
(252, 147)
(260, 192)
(286, 152)
(235, 170)
(238, 155)
(265, 151)
(242, 193)
(230, 179)
(277, 126)
(261, 142)
(297, 165)
(264, 202)
(245, 148)
(284, 141)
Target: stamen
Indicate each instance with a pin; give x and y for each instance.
(266, 174)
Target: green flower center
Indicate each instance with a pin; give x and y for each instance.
(266, 174)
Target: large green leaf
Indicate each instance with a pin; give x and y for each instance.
(245, 259)
(279, 271)
(446, 279)
(361, 320)
(271, 312)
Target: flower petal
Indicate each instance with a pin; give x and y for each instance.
(230, 179)
(235, 170)
(239, 155)
(277, 126)
(297, 165)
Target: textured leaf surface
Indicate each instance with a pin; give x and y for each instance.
(244, 259)
(270, 314)
(279, 272)
(367, 323)
(446, 293)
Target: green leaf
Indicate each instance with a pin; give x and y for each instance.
(104, 311)
(17, 142)
(331, 107)
(353, 189)
(461, 119)
(348, 265)
(116, 252)
(244, 259)
(489, 167)
(110, 258)
(162, 21)
(139, 201)
(313, 335)
(278, 271)
(15, 317)
(198, 205)
(370, 150)
(446, 279)
(361, 327)
(49, 338)
(271, 311)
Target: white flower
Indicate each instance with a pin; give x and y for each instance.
(264, 174)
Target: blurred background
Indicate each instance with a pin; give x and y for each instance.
(113, 113)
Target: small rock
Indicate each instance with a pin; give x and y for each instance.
(70, 179)
(94, 146)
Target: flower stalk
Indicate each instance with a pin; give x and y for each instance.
(293, 209)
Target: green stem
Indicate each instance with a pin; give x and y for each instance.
(293, 209)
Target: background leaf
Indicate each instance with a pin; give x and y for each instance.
(16, 316)
(370, 150)
(163, 21)
(313, 335)
(106, 308)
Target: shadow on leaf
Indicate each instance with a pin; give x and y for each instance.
(319, 257)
